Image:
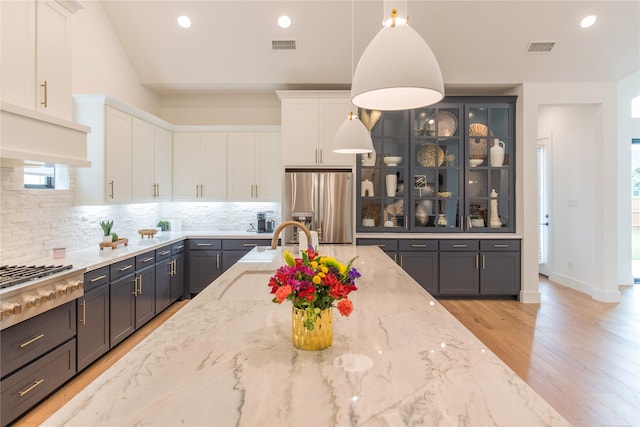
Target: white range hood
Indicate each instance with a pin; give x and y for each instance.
(29, 137)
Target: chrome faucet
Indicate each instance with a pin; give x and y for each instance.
(276, 233)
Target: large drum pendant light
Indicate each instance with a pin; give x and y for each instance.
(397, 71)
(352, 136)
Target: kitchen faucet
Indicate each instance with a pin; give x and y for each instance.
(276, 233)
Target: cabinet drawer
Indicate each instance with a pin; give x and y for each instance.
(122, 268)
(204, 244)
(163, 252)
(500, 245)
(24, 389)
(32, 338)
(384, 244)
(95, 278)
(145, 260)
(178, 247)
(418, 245)
(459, 245)
(244, 244)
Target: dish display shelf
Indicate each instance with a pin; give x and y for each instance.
(450, 173)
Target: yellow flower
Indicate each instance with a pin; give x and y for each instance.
(321, 274)
(288, 258)
(314, 264)
(324, 269)
(316, 280)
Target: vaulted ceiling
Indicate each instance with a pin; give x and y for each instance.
(479, 44)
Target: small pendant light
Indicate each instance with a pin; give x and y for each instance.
(352, 136)
(397, 71)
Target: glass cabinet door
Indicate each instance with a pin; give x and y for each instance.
(436, 150)
(489, 196)
(383, 173)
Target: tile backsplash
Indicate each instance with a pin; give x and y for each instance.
(34, 221)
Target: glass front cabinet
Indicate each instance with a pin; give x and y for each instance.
(448, 167)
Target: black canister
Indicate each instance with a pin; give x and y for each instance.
(262, 226)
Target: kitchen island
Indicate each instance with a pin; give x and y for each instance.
(226, 359)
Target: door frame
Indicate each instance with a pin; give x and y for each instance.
(545, 208)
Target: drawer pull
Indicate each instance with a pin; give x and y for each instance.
(250, 245)
(415, 245)
(95, 279)
(381, 246)
(165, 252)
(179, 247)
(126, 267)
(205, 244)
(500, 246)
(31, 341)
(460, 246)
(148, 259)
(31, 387)
(84, 312)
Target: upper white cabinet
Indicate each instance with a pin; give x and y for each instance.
(254, 166)
(35, 61)
(200, 166)
(151, 162)
(310, 120)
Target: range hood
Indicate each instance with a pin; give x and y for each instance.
(29, 137)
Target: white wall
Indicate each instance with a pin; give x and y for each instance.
(100, 64)
(604, 197)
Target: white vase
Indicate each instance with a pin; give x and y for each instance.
(366, 188)
(368, 222)
(107, 239)
(392, 185)
(496, 153)
(494, 218)
(369, 159)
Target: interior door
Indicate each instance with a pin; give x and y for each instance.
(544, 204)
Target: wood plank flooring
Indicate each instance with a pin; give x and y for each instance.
(581, 355)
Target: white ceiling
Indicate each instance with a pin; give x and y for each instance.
(479, 44)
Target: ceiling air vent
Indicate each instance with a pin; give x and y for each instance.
(540, 47)
(283, 45)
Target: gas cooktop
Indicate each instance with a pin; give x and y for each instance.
(11, 275)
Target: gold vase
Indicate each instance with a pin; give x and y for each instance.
(321, 336)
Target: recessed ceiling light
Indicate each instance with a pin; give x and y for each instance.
(588, 21)
(284, 21)
(184, 21)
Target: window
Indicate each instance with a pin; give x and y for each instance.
(46, 177)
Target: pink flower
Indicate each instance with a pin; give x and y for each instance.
(345, 307)
(282, 293)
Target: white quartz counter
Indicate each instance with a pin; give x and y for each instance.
(226, 359)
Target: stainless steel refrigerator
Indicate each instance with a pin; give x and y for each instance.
(322, 201)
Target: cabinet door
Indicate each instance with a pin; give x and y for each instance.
(459, 273)
(423, 267)
(268, 169)
(500, 273)
(204, 268)
(118, 156)
(300, 125)
(231, 257)
(17, 54)
(146, 296)
(122, 309)
(162, 164)
(143, 159)
(186, 166)
(53, 62)
(332, 114)
(163, 284)
(178, 278)
(93, 325)
(213, 166)
(241, 183)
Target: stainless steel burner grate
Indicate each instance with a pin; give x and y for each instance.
(11, 275)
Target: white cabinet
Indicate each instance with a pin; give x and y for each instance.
(151, 162)
(35, 61)
(310, 120)
(254, 166)
(199, 166)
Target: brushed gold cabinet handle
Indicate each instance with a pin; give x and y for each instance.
(44, 85)
(477, 256)
(500, 246)
(31, 341)
(217, 260)
(418, 246)
(148, 259)
(250, 245)
(165, 252)
(95, 279)
(126, 267)
(483, 261)
(135, 286)
(84, 312)
(112, 187)
(256, 191)
(197, 186)
(31, 387)
(460, 246)
(401, 259)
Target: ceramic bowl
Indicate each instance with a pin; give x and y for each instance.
(392, 160)
(475, 162)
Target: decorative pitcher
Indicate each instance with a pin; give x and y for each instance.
(497, 153)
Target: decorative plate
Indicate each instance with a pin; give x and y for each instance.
(427, 155)
(447, 123)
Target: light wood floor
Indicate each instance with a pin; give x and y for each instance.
(580, 355)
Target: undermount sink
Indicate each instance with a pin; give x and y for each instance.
(262, 254)
(248, 286)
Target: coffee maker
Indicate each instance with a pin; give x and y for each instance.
(265, 225)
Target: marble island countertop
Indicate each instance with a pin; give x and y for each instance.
(226, 359)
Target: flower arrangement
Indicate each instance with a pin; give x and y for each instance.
(313, 283)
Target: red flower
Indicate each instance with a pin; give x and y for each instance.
(345, 307)
(282, 293)
(307, 293)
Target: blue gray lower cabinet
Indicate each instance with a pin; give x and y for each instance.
(38, 356)
(458, 267)
(93, 317)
